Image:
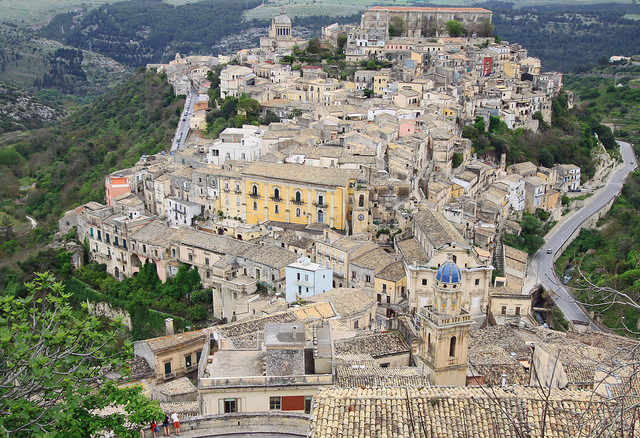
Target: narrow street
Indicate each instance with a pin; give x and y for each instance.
(542, 264)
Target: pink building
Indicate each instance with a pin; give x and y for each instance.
(408, 127)
(116, 185)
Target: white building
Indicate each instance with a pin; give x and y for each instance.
(242, 144)
(515, 187)
(181, 212)
(233, 78)
(568, 177)
(306, 279)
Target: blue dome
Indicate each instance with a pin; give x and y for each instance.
(448, 273)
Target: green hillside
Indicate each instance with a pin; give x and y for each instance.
(68, 162)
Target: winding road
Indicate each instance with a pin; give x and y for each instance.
(542, 263)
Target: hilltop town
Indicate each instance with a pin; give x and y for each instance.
(354, 246)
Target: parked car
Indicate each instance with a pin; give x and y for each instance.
(549, 251)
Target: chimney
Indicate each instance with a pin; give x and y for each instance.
(168, 326)
(504, 380)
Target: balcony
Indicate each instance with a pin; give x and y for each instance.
(254, 196)
(295, 202)
(274, 199)
(443, 319)
(320, 204)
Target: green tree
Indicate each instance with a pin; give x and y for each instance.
(313, 46)
(53, 369)
(454, 28)
(396, 28)
(457, 159)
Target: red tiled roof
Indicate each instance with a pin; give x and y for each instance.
(426, 9)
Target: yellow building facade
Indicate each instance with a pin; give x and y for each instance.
(298, 194)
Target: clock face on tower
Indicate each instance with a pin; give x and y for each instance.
(360, 217)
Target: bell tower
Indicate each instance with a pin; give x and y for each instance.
(360, 212)
(444, 330)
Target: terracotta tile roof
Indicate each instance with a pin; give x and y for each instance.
(172, 341)
(412, 251)
(425, 9)
(155, 233)
(375, 260)
(494, 362)
(347, 301)
(333, 177)
(393, 272)
(375, 344)
(440, 231)
(456, 412)
(248, 328)
(369, 376)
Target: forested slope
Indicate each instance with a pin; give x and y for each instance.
(69, 161)
(146, 31)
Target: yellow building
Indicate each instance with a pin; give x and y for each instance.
(380, 81)
(231, 199)
(298, 194)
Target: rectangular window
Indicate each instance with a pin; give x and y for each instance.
(91, 232)
(307, 404)
(230, 405)
(353, 275)
(173, 252)
(206, 261)
(167, 369)
(517, 311)
(424, 281)
(187, 361)
(124, 243)
(99, 235)
(379, 298)
(388, 300)
(107, 238)
(115, 240)
(298, 276)
(198, 356)
(144, 249)
(190, 257)
(477, 282)
(275, 403)
(355, 324)
(384, 288)
(368, 278)
(503, 310)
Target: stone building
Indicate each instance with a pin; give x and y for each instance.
(422, 21)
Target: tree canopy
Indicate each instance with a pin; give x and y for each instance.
(454, 28)
(53, 366)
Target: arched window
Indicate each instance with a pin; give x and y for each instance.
(297, 212)
(254, 190)
(452, 347)
(361, 201)
(320, 216)
(298, 196)
(276, 193)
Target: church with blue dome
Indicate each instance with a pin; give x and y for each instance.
(448, 273)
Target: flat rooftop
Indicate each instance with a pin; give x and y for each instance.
(229, 363)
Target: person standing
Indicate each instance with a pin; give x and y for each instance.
(176, 423)
(165, 425)
(154, 428)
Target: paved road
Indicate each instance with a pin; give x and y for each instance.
(543, 262)
(183, 124)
